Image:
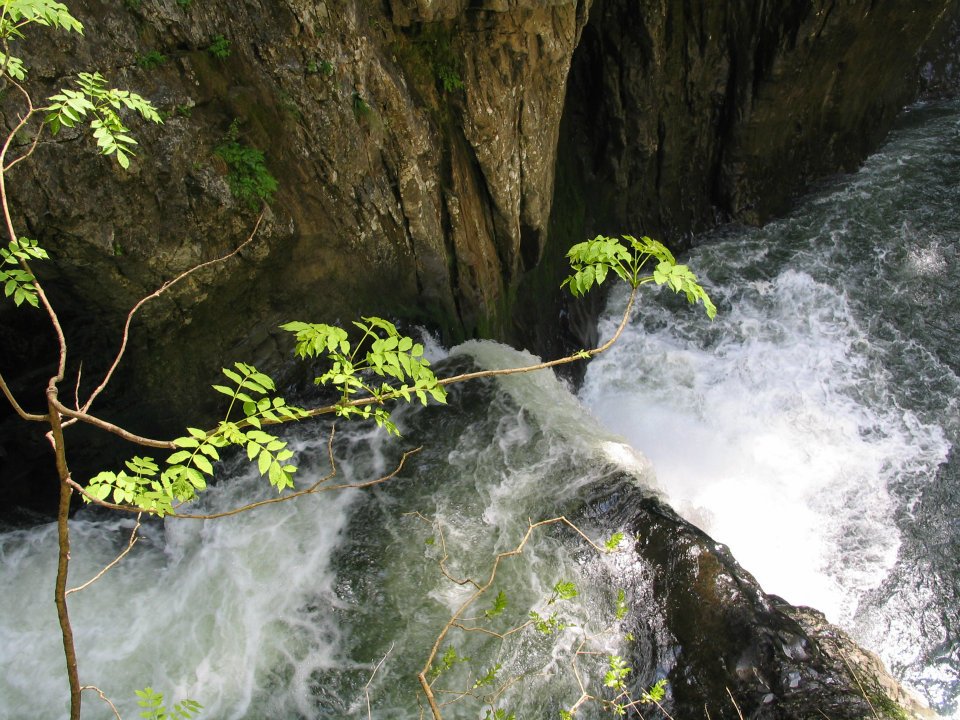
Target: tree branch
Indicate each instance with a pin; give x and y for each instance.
(583, 355)
(32, 417)
(104, 698)
(318, 486)
(117, 559)
(454, 620)
(111, 428)
(157, 293)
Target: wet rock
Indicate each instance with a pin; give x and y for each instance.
(727, 648)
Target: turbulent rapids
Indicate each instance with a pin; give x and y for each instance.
(811, 428)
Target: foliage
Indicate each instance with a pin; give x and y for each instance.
(499, 605)
(381, 352)
(152, 59)
(378, 365)
(16, 14)
(614, 541)
(594, 259)
(219, 47)
(590, 660)
(249, 179)
(17, 281)
(70, 107)
(143, 486)
(429, 55)
(361, 108)
(155, 709)
(449, 78)
(324, 67)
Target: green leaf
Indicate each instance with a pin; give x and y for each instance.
(179, 457)
(203, 463)
(488, 678)
(499, 605)
(186, 442)
(263, 462)
(564, 590)
(613, 542)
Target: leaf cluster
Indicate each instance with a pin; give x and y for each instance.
(219, 47)
(448, 660)
(19, 281)
(15, 14)
(593, 260)
(152, 59)
(248, 176)
(144, 486)
(155, 709)
(93, 99)
(381, 365)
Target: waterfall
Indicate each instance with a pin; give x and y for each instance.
(811, 427)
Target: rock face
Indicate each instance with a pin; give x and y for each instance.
(414, 146)
(446, 151)
(683, 114)
(728, 649)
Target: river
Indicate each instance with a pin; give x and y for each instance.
(810, 427)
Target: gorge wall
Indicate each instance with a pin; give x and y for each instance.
(434, 160)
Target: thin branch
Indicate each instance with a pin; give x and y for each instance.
(366, 688)
(859, 685)
(735, 706)
(318, 486)
(551, 363)
(28, 153)
(117, 559)
(111, 428)
(157, 293)
(104, 698)
(33, 417)
(583, 355)
(480, 590)
(12, 233)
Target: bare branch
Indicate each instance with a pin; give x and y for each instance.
(12, 233)
(315, 488)
(104, 698)
(366, 688)
(33, 417)
(28, 152)
(113, 563)
(111, 428)
(551, 363)
(157, 293)
(454, 620)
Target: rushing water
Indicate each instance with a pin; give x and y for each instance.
(313, 608)
(811, 427)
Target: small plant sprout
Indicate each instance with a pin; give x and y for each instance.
(219, 47)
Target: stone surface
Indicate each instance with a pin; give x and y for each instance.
(704, 623)
(681, 115)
